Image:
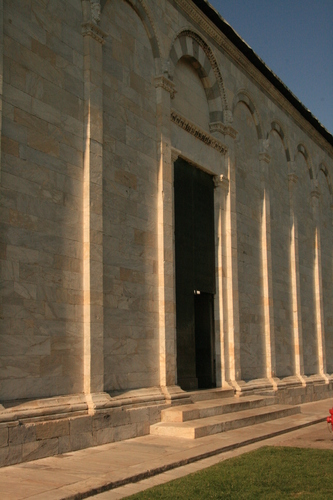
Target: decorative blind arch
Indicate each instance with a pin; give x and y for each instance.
(278, 129)
(143, 12)
(323, 168)
(190, 45)
(302, 149)
(244, 98)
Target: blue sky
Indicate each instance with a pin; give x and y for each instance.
(295, 39)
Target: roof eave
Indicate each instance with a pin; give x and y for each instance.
(233, 36)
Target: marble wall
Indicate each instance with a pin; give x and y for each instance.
(131, 343)
(280, 231)
(41, 198)
(96, 107)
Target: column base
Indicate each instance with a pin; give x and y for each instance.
(244, 388)
(175, 395)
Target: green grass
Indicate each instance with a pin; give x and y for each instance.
(268, 473)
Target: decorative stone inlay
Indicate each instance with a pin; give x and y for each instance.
(222, 129)
(198, 133)
(95, 7)
(227, 116)
(166, 84)
(221, 181)
(91, 29)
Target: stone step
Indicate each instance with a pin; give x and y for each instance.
(211, 408)
(194, 429)
(208, 394)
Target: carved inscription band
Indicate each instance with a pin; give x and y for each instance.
(198, 133)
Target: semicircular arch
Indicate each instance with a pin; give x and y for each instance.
(190, 45)
(243, 97)
(303, 151)
(276, 127)
(143, 12)
(323, 168)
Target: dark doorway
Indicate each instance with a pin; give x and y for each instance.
(204, 340)
(195, 276)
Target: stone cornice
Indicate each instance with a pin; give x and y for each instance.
(222, 40)
(91, 29)
(166, 84)
(197, 132)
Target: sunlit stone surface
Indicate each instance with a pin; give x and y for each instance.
(98, 101)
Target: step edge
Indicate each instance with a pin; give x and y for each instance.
(191, 423)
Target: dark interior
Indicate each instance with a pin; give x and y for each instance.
(195, 276)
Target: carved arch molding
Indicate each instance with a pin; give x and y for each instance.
(190, 45)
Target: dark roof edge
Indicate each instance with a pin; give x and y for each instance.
(233, 36)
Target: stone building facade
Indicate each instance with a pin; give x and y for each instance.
(166, 222)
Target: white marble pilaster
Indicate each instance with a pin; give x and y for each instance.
(266, 260)
(93, 200)
(220, 303)
(232, 351)
(315, 195)
(165, 90)
(295, 283)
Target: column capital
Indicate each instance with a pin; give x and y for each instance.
(221, 181)
(91, 29)
(223, 129)
(166, 84)
(92, 17)
(264, 157)
(315, 193)
(263, 150)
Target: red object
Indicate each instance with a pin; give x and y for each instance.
(330, 419)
